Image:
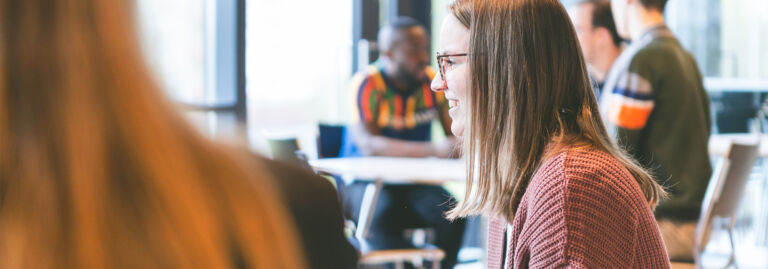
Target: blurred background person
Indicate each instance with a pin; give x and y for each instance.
(395, 111)
(658, 110)
(97, 170)
(600, 42)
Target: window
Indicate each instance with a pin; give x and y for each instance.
(298, 66)
(191, 45)
(728, 38)
(172, 35)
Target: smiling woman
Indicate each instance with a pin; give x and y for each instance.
(540, 162)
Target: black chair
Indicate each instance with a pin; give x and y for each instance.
(330, 140)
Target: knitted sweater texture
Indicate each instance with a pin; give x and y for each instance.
(581, 209)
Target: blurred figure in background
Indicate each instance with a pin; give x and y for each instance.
(98, 171)
(600, 42)
(395, 111)
(658, 110)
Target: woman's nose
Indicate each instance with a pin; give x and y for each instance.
(438, 84)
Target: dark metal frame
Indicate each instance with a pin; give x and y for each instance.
(421, 10)
(365, 26)
(440, 65)
(230, 61)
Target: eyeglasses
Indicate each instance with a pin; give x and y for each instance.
(442, 61)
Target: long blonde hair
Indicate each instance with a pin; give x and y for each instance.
(98, 171)
(529, 87)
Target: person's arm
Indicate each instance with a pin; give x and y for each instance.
(633, 100)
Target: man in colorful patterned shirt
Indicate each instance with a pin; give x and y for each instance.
(655, 104)
(395, 108)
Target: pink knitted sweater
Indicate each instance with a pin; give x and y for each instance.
(582, 209)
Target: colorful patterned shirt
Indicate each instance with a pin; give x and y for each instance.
(398, 114)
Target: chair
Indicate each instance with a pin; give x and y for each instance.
(287, 150)
(724, 194)
(330, 141)
(398, 257)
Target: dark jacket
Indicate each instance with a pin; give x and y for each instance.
(655, 104)
(317, 214)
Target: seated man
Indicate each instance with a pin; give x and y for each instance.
(395, 112)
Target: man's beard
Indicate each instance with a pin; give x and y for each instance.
(410, 79)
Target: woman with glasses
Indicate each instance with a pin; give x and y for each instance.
(540, 162)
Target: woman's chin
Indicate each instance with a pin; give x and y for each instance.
(457, 129)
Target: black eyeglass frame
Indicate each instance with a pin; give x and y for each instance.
(441, 66)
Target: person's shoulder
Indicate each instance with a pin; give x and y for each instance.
(371, 75)
(594, 202)
(580, 163)
(369, 71)
(587, 159)
(657, 52)
(597, 175)
(548, 181)
(552, 167)
(580, 169)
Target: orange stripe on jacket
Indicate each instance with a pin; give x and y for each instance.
(633, 118)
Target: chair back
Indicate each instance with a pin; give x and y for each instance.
(724, 193)
(726, 188)
(330, 140)
(287, 150)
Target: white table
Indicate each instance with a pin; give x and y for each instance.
(389, 170)
(395, 170)
(719, 144)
